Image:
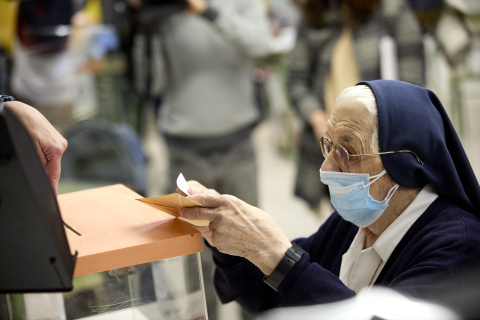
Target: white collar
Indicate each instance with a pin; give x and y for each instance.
(389, 239)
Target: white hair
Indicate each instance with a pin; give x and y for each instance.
(362, 95)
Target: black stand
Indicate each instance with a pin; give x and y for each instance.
(34, 252)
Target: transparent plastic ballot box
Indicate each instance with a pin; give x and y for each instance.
(134, 262)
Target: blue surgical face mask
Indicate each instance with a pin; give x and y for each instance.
(350, 196)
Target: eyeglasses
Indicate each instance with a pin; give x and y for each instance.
(342, 156)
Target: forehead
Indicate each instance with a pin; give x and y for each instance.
(351, 123)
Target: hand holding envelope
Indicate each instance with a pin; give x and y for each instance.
(172, 203)
(227, 223)
(235, 227)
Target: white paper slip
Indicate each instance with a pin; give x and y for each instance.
(182, 184)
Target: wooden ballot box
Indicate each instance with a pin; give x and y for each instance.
(134, 262)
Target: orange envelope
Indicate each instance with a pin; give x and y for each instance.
(172, 203)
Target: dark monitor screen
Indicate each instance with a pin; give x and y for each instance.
(34, 251)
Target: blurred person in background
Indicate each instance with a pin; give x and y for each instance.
(452, 49)
(406, 211)
(208, 113)
(270, 76)
(340, 43)
(42, 73)
(451, 24)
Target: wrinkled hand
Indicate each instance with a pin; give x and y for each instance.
(196, 7)
(49, 143)
(195, 187)
(240, 229)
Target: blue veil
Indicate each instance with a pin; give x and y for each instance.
(412, 118)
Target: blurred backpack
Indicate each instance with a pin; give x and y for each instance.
(44, 24)
(104, 153)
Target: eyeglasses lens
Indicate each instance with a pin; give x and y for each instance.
(341, 156)
(339, 153)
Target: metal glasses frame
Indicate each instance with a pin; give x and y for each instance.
(325, 142)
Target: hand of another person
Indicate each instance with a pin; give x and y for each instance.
(49, 143)
(196, 7)
(318, 120)
(240, 229)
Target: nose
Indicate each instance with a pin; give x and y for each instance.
(329, 164)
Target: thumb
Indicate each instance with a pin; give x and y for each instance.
(53, 169)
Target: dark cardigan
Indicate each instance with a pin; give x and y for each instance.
(428, 259)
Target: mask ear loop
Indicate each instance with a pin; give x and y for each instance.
(391, 192)
(376, 177)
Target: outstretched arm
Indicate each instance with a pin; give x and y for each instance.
(240, 230)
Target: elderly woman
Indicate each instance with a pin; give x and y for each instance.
(406, 199)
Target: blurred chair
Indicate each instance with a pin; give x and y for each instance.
(103, 153)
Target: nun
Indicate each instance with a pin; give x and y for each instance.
(407, 207)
